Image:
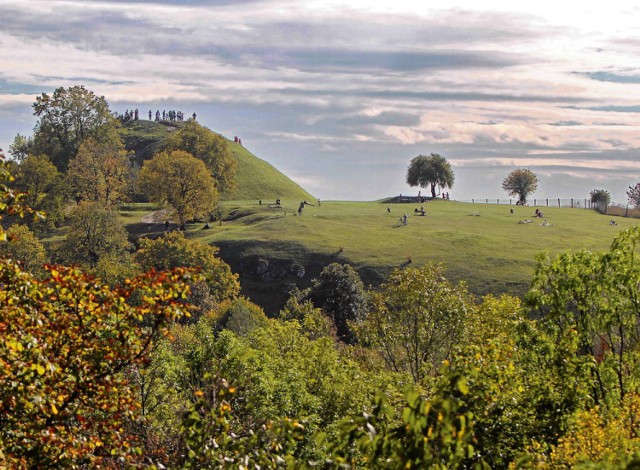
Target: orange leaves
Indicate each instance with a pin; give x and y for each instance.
(66, 344)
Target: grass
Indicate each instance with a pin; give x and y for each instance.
(490, 251)
(257, 179)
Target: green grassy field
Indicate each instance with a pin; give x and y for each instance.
(481, 244)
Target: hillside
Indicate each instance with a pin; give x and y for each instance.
(480, 244)
(255, 178)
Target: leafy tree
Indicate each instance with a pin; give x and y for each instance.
(521, 183)
(524, 385)
(180, 181)
(209, 147)
(240, 316)
(41, 182)
(315, 324)
(174, 250)
(275, 371)
(23, 246)
(100, 171)
(11, 201)
(67, 118)
(340, 293)
(433, 170)
(598, 439)
(94, 233)
(600, 198)
(21, 147)
(65, 401)
(634, 195)
(596, 295)
(435, 433)
(416, 320)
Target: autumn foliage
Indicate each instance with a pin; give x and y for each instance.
(68, 342)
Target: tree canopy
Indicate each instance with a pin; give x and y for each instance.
(175, 250)
(67, 118)
(634, 194)
(209, 147)
(100, 172)
(180, 181)
(340, 293)
(521, 183)
(432, 171)
(600, 198)
(95, 232)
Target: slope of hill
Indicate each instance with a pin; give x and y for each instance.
(258, 179)
(255, 178)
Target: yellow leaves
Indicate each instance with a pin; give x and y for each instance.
(38, 368)
(54, 410)
(14, 345)
(199, 393)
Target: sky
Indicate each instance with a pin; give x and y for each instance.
(341, 95)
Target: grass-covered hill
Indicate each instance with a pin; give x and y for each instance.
(255, 178)
(483, 245)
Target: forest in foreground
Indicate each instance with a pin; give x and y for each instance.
(150, 358)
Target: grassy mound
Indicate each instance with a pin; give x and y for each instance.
(255, 178)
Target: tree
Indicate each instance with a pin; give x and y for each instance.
(340, 293)
(634, 194)
(100, 172)
(94, 233)
(433, 170)
(209, 147)
(23, 246)
(67, 341)
(521, 183)
(41, 182)
(67, 118)
(182, 182)
(600, 198)
(174, 250)
(21, 147)
(416, 320)
(595, 295)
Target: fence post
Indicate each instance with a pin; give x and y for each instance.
(487, 201)
(572, 203)
(473, 201)
(626, 212)
(585, 202)
(498, 201)
(509, 201)
(547, 202)
(535, 202)
(558, 202)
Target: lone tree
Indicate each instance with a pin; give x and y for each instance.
(180, 181)
(600, 198)
(521, 183)
(634, 195)
(433, 170)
